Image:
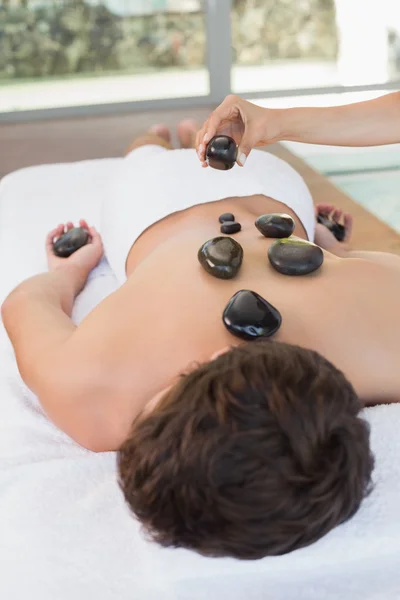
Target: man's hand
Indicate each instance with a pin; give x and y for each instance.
(325, 238)
(80, 262)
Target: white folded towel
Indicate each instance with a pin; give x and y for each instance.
(65, 532)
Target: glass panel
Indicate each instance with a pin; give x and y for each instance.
(79, 52)
(291, 44)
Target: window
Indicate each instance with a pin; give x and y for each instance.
(288, 44)
(73, 53)
(76, 52)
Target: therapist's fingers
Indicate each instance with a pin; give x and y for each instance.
(226, 113)
(232, 110)
(201, 146)
(247, 143)
(250, 125)
(200, 135)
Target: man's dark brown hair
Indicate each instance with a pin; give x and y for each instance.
(258, 452)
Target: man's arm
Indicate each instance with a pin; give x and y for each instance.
(326, 240)
(383, 258)
(37, 318)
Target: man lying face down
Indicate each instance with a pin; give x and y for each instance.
(230, 367)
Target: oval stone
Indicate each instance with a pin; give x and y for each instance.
(221, 152)
(221, 257)
(338, 230)
(249, 316)
(226, 217)
(275, 225)
(230, 227)
(70, 242)
(295, 257)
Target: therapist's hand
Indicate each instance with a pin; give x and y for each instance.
(81, 262)
(249, 125)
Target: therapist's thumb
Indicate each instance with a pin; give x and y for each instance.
(245, 147)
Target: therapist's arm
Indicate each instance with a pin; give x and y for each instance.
(37, 315)
(370, 123)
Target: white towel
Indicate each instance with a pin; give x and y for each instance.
(65, 532)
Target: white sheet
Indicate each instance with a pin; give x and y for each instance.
(65, 532)
(174, 182)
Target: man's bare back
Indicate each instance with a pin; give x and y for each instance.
(167, 317)
(347, 311)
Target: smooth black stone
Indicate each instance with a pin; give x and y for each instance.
(221, 257)
(226, 217)
(70, 242)
(230, 227)
(295, 257)
(338, 230)
(221, 152)
(275, 225)
(248, 316)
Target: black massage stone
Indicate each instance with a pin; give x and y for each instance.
(230, 227)
(70, 242)
(275, 225)
(295, 257)
(248, 316)
(338, 230)
(221, 257)
(226, 217)
(221, 152)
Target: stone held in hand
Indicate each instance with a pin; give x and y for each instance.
(338, 230)
(230, 227)
(221, 257)
(221, 152)
(275, 225)
(70, 242)
(226, 217)
(249, 316)
(295, 257)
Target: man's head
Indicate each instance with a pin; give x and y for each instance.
(258, 452)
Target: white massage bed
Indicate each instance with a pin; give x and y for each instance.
(65, 533)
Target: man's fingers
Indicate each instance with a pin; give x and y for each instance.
(55, 233)
(324, 209)
(337, 215)
(96, 237)
(84, 224)
(348, 224)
